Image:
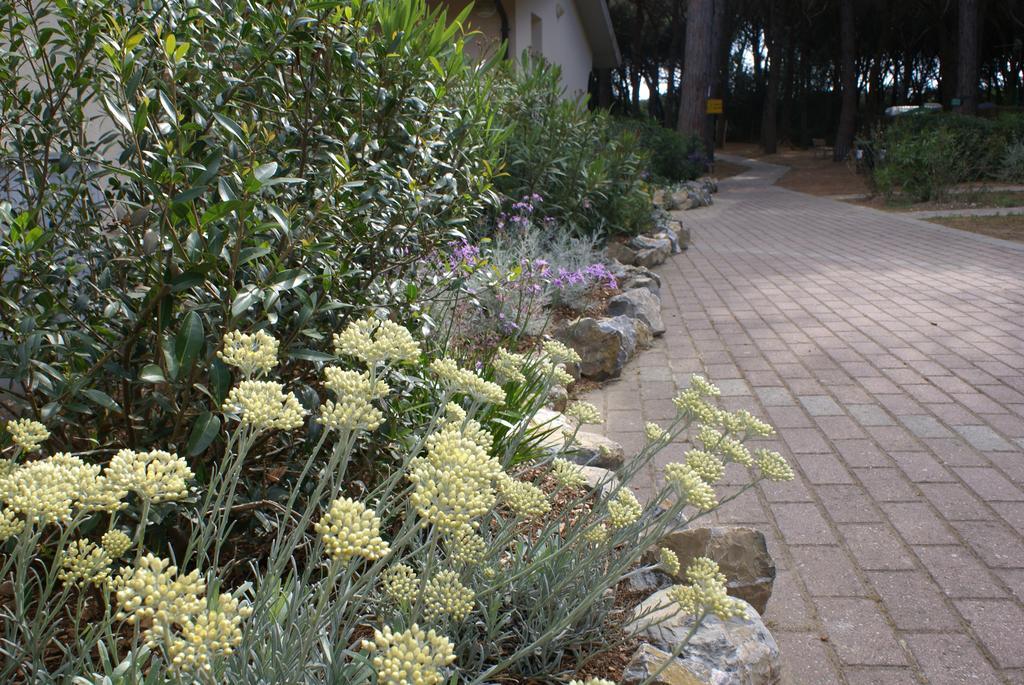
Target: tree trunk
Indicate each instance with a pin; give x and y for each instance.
(693, 90)
(717, 70)
(788, 76)
(770, 110)
(604, 88)
(805, 91)
(947, 61)
(848, 73)
(967, 57)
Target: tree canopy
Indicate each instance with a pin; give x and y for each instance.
(785, 68)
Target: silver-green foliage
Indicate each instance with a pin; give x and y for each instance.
(539, 592)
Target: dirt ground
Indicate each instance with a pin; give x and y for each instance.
(810, 172)
(972, 200)
(1009, 227)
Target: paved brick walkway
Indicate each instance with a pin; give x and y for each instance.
(889, 354)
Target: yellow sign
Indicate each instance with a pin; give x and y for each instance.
(715, 106)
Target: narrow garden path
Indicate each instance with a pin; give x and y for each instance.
(889, 354)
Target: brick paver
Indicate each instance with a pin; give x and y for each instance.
(889, 354)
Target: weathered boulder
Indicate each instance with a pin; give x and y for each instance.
(558, 398)
(648, 660)
(588, 449)
(605, 345)
(737, 651)
(601, 479)
(740, 552)
(639, 303)
(709, 183)
(621, 252)
(629, 277)
(594, 449)
(650, 250)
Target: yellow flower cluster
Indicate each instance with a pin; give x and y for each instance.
(211, 634)
(354, 391)
(597, 534)
(48, 490)
(691, 486)
(44, 491)
(156, 476)
(350, 530)
(525, 499)
(264, 405)
(251, 353)
(508, 366)
(568, 474)
(704, 387)
(742, 421)
(624, 508)
(654, 432)
(454, 483)
(559, 376)
(584, 412)
(116, 543)
(689, 402)
(706, 465)
(411, 657)
(445, 595)
(706, 592)
(400, 583)
(559, 353)
(729, 447)
(669, 561)
(374, 341)
(10, 524)
(774, 466)
(154, 591)
(85, 562)
(467, 382)
(27, 434)
(467, 547)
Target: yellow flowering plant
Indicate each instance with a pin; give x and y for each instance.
(418, 503)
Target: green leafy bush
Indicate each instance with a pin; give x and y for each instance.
(1012, 168)
(673, 156)
(588, 172)
(922, 156)
(201, 167)
(453, 558)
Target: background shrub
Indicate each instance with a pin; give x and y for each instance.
(672, 156)
(1012, 168)
(588, 172)
(210, 166)
(924, 155)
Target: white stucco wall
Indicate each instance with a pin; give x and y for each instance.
(563, 41)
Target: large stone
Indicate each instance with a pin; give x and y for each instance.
(741, 554)
(601, 479)
(558, 398)
(710, 183)
(605, 345)
(621, 252)
(648, 660)
(652, 258)
(737, 651)
(639, 303)
(650, 250)
(594, 449)
(588, 449)
(629, 277)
